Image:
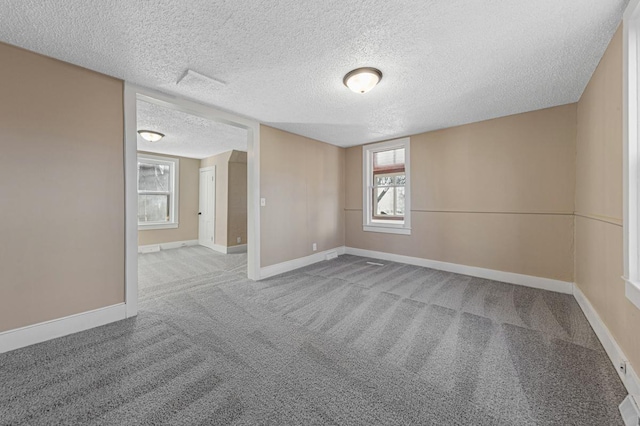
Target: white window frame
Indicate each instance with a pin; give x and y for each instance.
(174, 205)
(390, 226)
(631, 151)
(392, 175)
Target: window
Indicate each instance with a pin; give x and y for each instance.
(157, 192)
(386, 197)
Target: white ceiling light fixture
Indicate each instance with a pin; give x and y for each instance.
(493, 78)
(150, 135)
(361, 80)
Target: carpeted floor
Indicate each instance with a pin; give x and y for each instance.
(339, 342)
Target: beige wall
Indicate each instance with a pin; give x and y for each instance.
(61, 189)
(303, 183)
(231, 197)
(496, 194)
(237, 204)
(598, 239)
(188, 199)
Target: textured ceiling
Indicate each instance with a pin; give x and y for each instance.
(445, 62)
(187, 135)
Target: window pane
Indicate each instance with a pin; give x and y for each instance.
(154, 177)
(401, 180)
(400, 201)
(383, 201)
(153, 208)
(382, 180)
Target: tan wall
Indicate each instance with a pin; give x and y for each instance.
(221, 162)
(496, 194)
(61, 189)
(188, 199)
(598, 239)
(237, 205)
(303, 183)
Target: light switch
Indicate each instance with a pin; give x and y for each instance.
(263, 202)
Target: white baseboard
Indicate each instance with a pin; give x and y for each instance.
(241, 248)
(630, 378)
(152, 248)
(218, 248)
(629, 407)
(37, 333)
(281, 268)
(166, 246)
(630, 411)
(490, 274)
(227, 250)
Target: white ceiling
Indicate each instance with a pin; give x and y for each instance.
(445, 62)
(187, 135)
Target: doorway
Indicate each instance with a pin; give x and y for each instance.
(132, 95)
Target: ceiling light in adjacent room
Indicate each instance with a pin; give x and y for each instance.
(150, 135)
(361, 80)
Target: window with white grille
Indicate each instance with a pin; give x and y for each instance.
(157, 192)
(386, 197)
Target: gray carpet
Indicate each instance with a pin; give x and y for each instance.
(339, 342)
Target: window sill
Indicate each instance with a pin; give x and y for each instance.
(387, 229)
(632, 291)
(152, 226)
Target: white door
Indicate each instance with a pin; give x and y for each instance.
(207, 215)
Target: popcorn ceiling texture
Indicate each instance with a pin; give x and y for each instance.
(445, 63)
(187, 135)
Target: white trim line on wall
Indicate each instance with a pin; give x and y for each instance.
(150, 248)
(281, 268)
(37, 333)
(490, 274)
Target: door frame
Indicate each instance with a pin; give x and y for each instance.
(200, 170)
(133, 93)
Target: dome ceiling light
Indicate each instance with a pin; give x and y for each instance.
(150, 135)
(361, 80)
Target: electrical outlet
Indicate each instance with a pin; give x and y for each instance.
(314, 246)
(622, 367)
(239, 240)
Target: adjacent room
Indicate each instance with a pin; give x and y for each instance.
(374, 213)
(192, 194)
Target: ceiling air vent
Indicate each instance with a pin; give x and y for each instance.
(194, 80)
